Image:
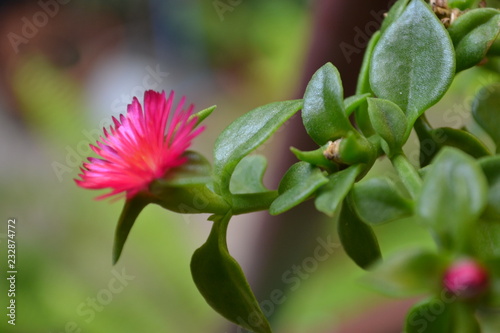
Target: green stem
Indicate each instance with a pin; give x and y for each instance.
(408, 174)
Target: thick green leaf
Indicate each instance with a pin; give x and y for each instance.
(491, 169)
(407, 273)
(222, 283)
(472, 34)
(363, 87)
(244, 135)
(133, 207)
(389, 122)
(394, 13)
(196, 170)
(377, 201)
(453, 196)
(316, 157)
(330, 196)
(486, 111)
(357, 238)
(465, 141)
(298, 183)
(323, 114)
(413, 63)
(248, 175)
(442, 315)
(203, 114)
(354, 102)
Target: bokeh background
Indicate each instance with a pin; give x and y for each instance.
(68, 66)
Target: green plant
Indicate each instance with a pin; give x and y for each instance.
(409, 65)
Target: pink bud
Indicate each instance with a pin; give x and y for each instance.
(466, 278)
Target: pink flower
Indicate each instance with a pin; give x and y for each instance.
(466, 278)
(142, 146)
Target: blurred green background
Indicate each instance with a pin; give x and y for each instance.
(67, 68)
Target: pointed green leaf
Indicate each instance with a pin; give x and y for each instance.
(340, 183)
(131, 210)
(486, 111)
(363, 87)
(465, 141)
(297, 185)
(442, 315)
(389, 122)
(453, 196)
(414, 62)
(196, 170)
(245, 134)
(323, 115)
(248, 175)
(472, 34)
(377, 201)
(357, 238)
(394, 13)
(203, 114)
(221, 281)
(354, 102)
(432, 140)
(316, 157)
(407, 273)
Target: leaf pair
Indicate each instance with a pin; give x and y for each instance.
(244, 135)
(472, 34)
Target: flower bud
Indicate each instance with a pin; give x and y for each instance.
(466, 278)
